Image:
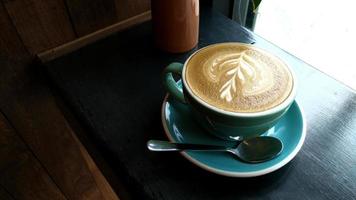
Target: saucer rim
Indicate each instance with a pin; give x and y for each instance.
(238, 174)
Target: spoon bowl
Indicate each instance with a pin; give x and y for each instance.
(252, 150)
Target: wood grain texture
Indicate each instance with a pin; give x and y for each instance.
(107, 192)
(83, 136)
(130, 8)
(91, 15)
(20, 172)
(11, 46)
(41, 24)
(27, 28)
(4, 195)
(92, 37)
(124, 116)
(32, 110)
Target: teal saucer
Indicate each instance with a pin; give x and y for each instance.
(179, 126)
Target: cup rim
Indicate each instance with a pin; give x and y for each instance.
(273, 110)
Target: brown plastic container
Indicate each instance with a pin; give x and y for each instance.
(175, 24)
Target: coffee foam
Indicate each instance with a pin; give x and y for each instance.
(238, 78)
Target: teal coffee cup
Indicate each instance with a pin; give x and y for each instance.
(226, 123)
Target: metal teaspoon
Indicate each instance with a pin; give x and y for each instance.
(252, 150)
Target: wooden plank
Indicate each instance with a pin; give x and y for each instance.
(41, 24)
(11, 47)
(103, 185)
(128, 8)
(21, 174)
(107, 192)
(96, 161)
(31, 108)
(90, 15)
(90, 38)
(4, 195)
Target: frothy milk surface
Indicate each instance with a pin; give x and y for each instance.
(239, 78)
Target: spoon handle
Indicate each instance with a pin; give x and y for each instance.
(158, 145)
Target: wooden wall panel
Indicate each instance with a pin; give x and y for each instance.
(4, 195)
(92, 37)
(11, 47)
(129, 8)
(31, 108)
(51, 157)
(20, 172)
(90, 15)
(41, 24)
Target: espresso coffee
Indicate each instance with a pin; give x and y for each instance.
(238, 78)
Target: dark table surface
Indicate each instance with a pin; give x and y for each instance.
(114, 88)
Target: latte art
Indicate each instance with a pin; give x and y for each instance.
(238, 78)
(235, 70)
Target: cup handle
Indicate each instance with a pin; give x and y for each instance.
(170, 84)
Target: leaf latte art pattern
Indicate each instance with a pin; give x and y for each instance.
(238, 77)
(238, 73)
